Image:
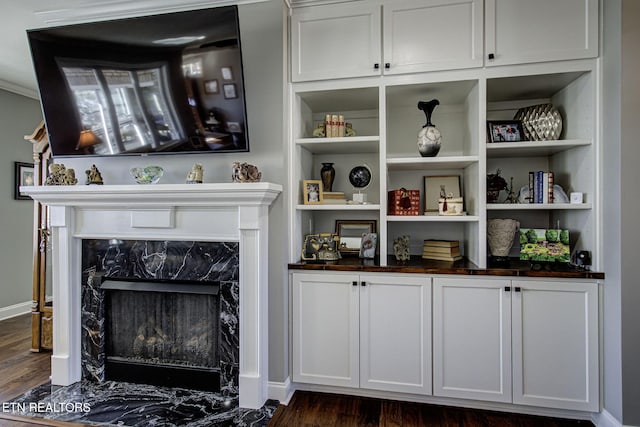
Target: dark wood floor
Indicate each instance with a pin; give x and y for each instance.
(307, 409)
(21, 370)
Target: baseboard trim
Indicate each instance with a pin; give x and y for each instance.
(15, 310)
(605, 419)
(280, 391)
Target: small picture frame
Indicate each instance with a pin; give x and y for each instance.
(226, 72)
(368, 245)
(24, 176)
(505, 131)
(312, 192)
(433, 187)
(211, 86)
(229, 90)
(350, 233)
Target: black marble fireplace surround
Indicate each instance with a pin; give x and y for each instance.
(173, 308)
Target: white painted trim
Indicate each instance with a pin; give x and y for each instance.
(90, 10)
(15, 310)
(280, 391)
(17, 89)
(605, 419)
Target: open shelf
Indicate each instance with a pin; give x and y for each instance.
(339, 207)
(341, 145)
(420, 163)
(433, 218)
(537, 206)
(533, 148)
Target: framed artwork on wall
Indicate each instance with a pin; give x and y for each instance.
(211, 86)
(24, 175)
(229, 90)
(435, 185)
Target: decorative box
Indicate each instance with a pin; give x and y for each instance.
(403, 202)
(453, 206)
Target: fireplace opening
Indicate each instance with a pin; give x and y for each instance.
(162, 333)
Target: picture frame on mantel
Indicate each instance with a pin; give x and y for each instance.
(24, 176)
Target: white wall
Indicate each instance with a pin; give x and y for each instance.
(261, 33)
(18, 117)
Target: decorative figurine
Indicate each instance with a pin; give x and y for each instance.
(429, 137)
(195, 175)
(59, 175)
(401, 248)
(495, 184)
(93, 176)
(244, 172)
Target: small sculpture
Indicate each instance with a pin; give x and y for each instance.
(429, 137)
(59, 175)
(244, 172)
(195, 175)
(93, 176)
(401, 248)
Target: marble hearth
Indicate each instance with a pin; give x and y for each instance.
(161, 212)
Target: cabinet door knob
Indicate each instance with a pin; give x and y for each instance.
(507, 288)
(354, 283)
(517, 289)
(376, 66)
(492, 56)
(387, 65)
(363, 283)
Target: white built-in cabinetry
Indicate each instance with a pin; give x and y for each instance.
(370, 331)
(526, 342)
(382, 106)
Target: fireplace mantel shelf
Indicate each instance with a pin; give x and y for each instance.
(214, 194)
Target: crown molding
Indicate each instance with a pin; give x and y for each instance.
(90, 11)
(304, 3)
(19, 90)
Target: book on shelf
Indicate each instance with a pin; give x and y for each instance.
(442, 250)
(442, 243)
(334, 202)
(442, 258)
(541, 187)
(333, 195)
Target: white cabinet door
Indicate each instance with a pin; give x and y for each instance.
(427, 35)
(522, 31)
(335, 41)
(555, 345)
(395, 333)
(325, 329)
(472, 338)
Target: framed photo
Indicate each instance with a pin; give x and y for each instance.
(211, 86)
(505, 131)
(312, 191)
(24, 175)
(435, 186)
(368, 246)
(350, 233)
(227, 74)
(229, 90)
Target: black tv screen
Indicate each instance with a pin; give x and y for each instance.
(169, 83)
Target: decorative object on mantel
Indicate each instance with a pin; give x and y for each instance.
(429, 137)
(541, 122)
(401, 249)
(245, 172)
(327, 174)
(360, 178)
(93, 176)
(500, 236)
(147, 175)
(196, 174)
(60, 175)
(495, 184)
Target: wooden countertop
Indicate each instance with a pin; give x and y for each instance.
(516, 268)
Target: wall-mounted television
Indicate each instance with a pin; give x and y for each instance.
(168, 83)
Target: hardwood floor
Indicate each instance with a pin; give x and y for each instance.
(21, 370)
(309, 409)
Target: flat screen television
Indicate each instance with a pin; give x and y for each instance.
(168, 83)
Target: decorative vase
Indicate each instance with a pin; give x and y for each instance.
(500, 236)
(328, 174)
(429, 137)
(540, 122)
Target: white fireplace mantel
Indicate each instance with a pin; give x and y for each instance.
(203, 212)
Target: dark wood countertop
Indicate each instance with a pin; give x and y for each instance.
(516, 268)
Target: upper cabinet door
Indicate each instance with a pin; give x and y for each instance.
(335, 41)
(428, 35)
(522, 31)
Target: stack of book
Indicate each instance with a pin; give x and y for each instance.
(441, 250)
(334, 198)
(541, 187)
